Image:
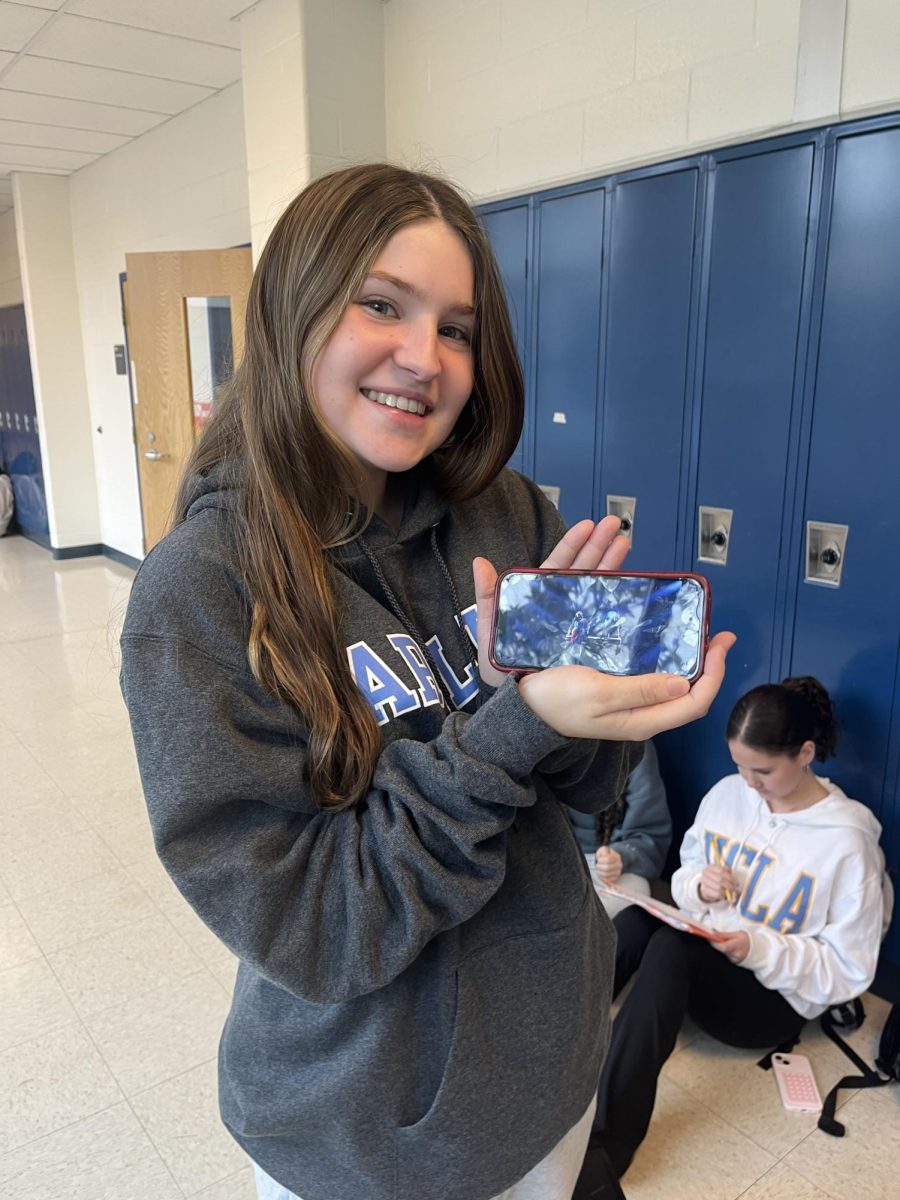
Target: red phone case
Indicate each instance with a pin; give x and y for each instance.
(519, 670)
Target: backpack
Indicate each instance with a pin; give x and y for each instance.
(851, 1016)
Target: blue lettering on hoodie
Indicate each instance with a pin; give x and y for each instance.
(389, 696)
(761, 912)
(381, 687)
(465, 689)
(411, 654)
(790, 916)
(469, 624)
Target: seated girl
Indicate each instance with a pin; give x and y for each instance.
(785, 864)
(627, 844)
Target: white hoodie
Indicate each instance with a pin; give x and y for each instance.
(810, 895)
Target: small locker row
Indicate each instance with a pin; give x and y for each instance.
(712, 347)
(20, 450)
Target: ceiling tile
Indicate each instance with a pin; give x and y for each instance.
(24, 133)
(19, 24)
(119, 88)
(51, 4)
(204, 20)
(41, 156)
(5, 57)
(77, 114)
(101, 44)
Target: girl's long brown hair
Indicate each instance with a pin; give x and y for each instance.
(297, 482)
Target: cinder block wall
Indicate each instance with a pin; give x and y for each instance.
(180, 186)
(510, 95)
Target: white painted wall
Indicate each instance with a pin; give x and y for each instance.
(10, 274)
(871, 81)
(182, 186)
(510, 95)
(44, 239)
(318, 65)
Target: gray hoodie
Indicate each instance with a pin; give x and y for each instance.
(422, 1000)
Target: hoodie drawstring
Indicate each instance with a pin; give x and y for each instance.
(397, 609)
(775, 825)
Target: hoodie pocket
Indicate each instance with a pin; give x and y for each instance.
(532, 1023)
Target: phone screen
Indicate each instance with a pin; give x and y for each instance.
(619, 624)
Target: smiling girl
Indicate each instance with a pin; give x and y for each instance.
(342, 787)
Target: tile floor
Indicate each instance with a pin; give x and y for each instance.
(112, 993)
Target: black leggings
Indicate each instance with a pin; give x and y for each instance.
(679, 973)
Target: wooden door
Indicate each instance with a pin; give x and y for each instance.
(185, 315)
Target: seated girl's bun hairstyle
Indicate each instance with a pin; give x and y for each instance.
(779, 717)
(820, 705)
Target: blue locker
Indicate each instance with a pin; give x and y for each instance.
(754, 368)
(567, 342)
(507, 228)
(648, 310)
(20, 447)
(755, 277)
(848, 635)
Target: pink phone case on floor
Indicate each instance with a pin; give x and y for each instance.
(796, 1083)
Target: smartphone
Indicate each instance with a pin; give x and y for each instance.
(796, 1083)
(620, 623)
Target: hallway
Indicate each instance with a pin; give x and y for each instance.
(112, 994)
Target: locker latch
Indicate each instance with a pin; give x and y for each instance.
(623, 507)
(826, 546)
(714, 534)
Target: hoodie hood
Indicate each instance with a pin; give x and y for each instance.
(424, 508)
(834, 811)
(215, 489)
(376, 558)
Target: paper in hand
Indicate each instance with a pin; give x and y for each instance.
(665, 912)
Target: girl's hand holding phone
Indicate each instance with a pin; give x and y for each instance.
(580, 702)
(586, 546)
(609, 864)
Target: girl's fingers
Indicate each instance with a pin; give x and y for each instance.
(580, 702)
(603, 549)
(615, 554)
(567, 549)
(696, 703)
(599, 695)
(485, 578)
(589, 547)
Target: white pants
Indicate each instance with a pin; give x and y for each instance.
(554, 1177)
